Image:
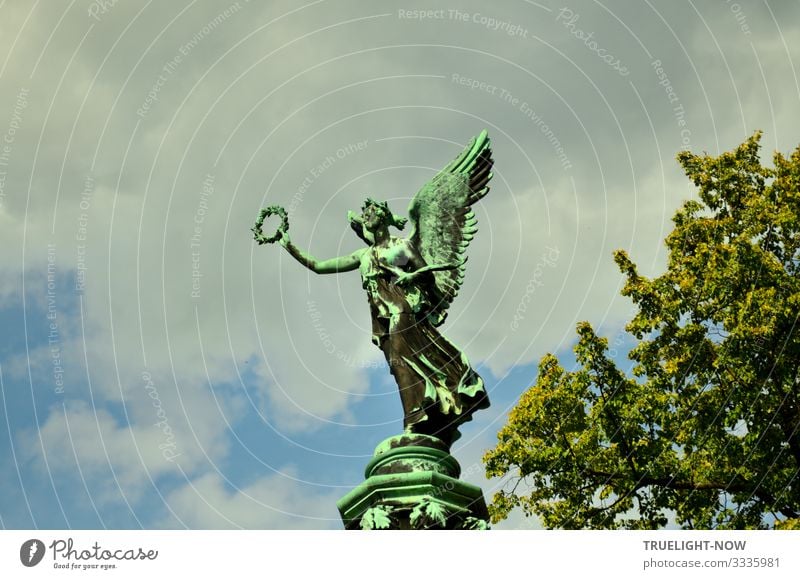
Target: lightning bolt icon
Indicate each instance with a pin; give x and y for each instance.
(34, 548)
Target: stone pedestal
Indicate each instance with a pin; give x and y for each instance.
(412, 483)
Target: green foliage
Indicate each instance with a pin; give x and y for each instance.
(377, 517)
(707, 430)
(428, 514)
(788, 525)
(474, 524)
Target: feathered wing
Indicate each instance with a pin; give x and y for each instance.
(442, 220)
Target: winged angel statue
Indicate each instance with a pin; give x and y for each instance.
(410, 283)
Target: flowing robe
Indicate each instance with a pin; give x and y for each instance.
(439, 389)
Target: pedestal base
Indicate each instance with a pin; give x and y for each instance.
(412, 483)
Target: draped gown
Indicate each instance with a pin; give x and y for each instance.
(439, 389)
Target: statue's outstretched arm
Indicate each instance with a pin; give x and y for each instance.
(334, 265)
(408, 277)
(437, 267)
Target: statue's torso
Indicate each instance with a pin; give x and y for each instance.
(379, 267)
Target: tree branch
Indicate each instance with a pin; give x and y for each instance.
(671, 482)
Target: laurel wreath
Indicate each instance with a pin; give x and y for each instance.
(282, 228)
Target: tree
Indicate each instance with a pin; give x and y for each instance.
(706, 431)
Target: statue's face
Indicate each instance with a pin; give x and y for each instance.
(373, 217)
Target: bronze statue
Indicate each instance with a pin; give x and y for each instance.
(411, 282)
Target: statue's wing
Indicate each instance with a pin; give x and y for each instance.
(442, 219)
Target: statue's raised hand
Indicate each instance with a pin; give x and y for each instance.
(280, 235)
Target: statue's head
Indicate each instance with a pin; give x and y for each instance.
(374, 215)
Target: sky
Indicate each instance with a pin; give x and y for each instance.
(158, 369)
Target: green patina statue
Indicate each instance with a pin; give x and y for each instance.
(410, 283)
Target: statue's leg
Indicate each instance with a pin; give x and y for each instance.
(397, 349)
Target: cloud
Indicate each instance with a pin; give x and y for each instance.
(89, 441)
(120, 459)
(270, 502)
